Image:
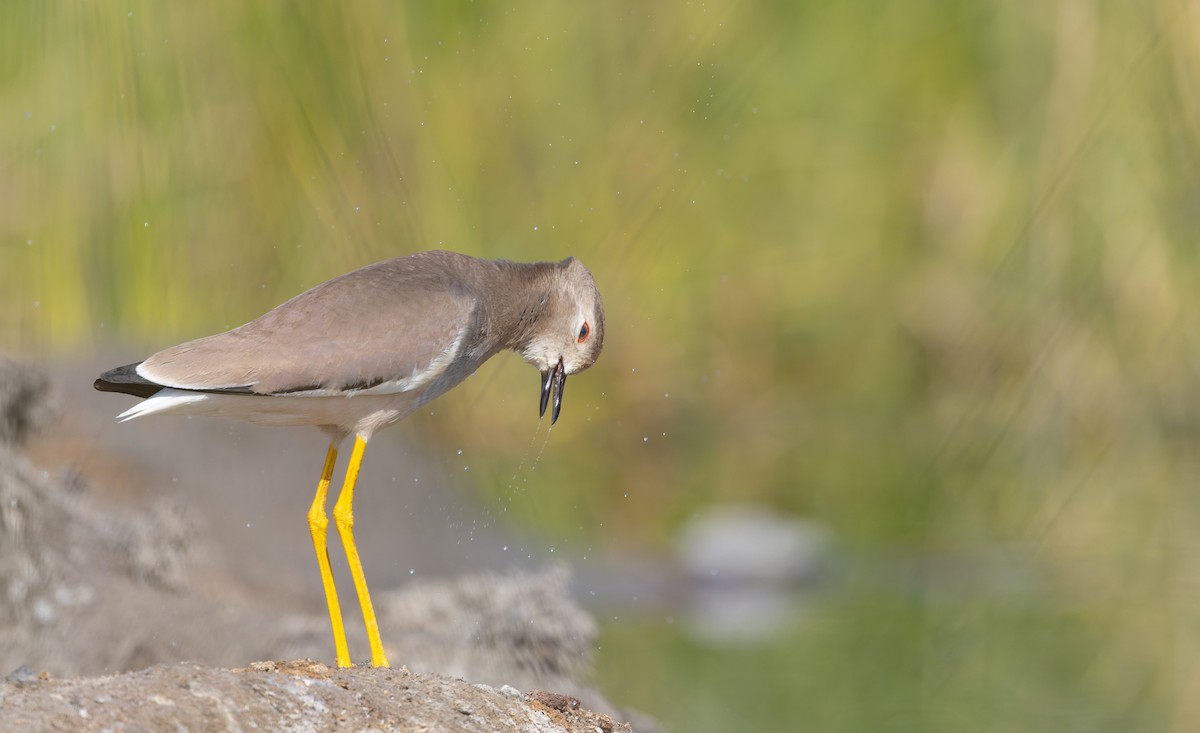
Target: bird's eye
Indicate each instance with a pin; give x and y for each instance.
(584, 331)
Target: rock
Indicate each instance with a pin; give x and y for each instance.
(25, 406)
(269, 697)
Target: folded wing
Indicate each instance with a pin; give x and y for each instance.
(389, 327)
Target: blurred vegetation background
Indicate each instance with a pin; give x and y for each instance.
(923, 273)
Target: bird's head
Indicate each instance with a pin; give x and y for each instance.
(570, 331)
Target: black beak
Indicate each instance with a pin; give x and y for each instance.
(553, 381)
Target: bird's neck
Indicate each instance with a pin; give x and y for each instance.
(520, 293)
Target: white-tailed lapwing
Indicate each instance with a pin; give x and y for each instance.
(364, 350)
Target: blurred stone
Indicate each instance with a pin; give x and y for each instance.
(74, 576)
(60, 554)
(25, 404)
(514, 631)
(22, 676)
(735, 544)
(748, 565)
(488, 627)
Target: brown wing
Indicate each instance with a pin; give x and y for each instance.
(388, 326)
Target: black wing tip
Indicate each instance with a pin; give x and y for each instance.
(127, 373)
(126, 380)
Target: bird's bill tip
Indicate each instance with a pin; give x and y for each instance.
(552, 381)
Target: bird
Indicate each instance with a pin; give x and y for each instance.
(366, 349)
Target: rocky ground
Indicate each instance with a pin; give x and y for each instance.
(285, 696)
(124, 615)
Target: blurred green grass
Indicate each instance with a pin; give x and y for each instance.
(924, 272)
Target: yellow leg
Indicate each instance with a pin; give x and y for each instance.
(343, 515)
(317, 525)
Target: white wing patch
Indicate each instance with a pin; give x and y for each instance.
(146, 373)
(421, 377)
(165, 400)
